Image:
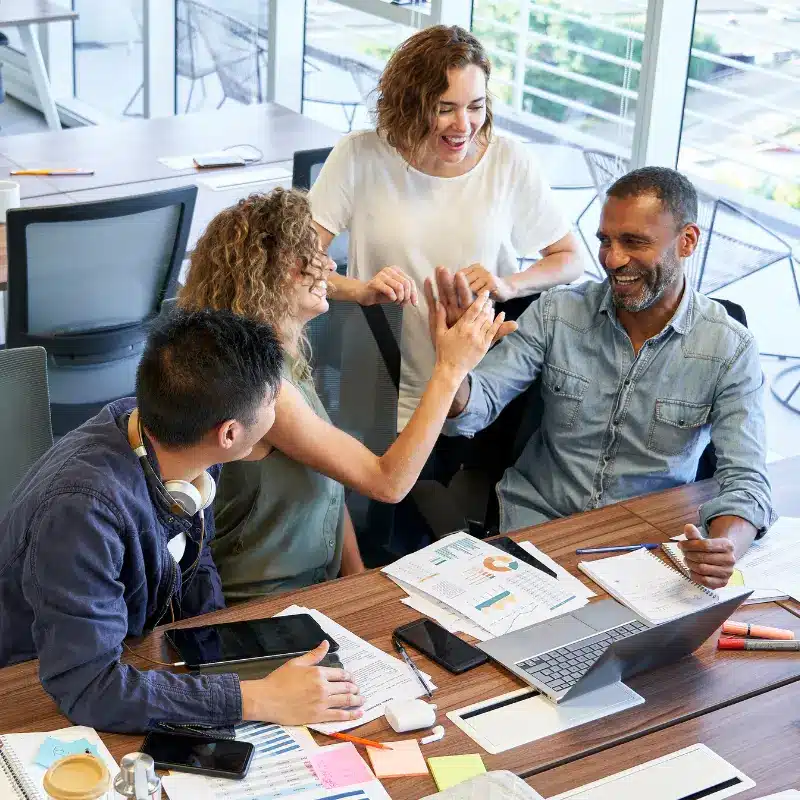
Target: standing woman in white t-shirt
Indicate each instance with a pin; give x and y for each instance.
(433, 185)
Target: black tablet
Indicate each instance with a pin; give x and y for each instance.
(256, 639)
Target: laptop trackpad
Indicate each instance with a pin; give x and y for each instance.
(556, 633)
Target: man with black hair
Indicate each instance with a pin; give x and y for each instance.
(108, 535)
(638, 373)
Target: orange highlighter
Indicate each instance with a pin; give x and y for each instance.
(758, 631)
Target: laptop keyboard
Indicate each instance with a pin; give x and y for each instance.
(559, 669)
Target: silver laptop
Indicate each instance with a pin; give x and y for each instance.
(601, 644)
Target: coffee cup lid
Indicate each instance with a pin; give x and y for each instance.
(77, 777)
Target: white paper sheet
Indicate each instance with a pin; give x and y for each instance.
(524, 716)
(380, 677)
(680, 774)
(564, 576)
(239, 176)
(789, 794)
(483, 583)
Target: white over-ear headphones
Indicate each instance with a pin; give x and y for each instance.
(181, 497)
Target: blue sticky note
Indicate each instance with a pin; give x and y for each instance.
(53, 749)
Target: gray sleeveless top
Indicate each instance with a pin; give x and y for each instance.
(280, 524)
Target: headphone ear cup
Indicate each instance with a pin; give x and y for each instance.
(185, 495)
(207, 487)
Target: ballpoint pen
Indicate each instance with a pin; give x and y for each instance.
(412, 666)
(619, 548)
(53, 172)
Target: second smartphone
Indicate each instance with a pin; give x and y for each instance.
(441, 646)
(220, 758)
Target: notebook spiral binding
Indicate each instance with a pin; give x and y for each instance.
(11, 767)
(673, 568)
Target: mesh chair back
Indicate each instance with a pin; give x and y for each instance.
(25, 420)
(84, 283)
(191, 61)
(305, 170)
(604, 168)
(732, 246)
(238, 52)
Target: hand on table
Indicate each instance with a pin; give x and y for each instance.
(710, 561)
(300, 692)
(480, 279)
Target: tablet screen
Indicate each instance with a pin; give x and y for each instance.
(239, 641)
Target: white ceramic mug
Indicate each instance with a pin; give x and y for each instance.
(9, 198)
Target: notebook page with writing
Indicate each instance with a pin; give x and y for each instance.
(648, 585)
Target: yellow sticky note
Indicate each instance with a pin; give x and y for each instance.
(737, 579)
(449, 770)
(405, 758)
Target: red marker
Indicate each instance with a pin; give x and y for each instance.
(733, 643)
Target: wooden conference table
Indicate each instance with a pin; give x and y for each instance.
(125, 157)
(682, 700)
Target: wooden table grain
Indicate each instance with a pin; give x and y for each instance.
(760, 736)
(369, 605)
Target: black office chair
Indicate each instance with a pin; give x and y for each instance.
(355, 358)
(306, 166)
(84, 282)
(25, 419)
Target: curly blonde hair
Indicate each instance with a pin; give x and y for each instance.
(414, 80)
(245, 259)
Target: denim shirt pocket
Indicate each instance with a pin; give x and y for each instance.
(563, 393)
(676, 425)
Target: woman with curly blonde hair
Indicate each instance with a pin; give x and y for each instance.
(435, 185)
(281, 519)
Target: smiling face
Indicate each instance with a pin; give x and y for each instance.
(311, 288)
(461, 114)
(641, 250)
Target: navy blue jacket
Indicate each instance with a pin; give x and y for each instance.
(84, 563)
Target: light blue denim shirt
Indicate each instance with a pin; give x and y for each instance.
(616, 424)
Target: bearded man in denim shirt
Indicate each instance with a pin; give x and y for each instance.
(638, 373)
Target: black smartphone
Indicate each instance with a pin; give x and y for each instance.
(441, 646)
(513, 549)
(255, 639)
(221, 758)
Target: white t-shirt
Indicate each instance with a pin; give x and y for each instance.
(398, 216)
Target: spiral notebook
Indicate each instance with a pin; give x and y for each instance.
(649, 586)
(21, 777)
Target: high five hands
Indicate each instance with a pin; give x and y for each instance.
(455, 298)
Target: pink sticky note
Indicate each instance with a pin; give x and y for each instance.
(340, 765)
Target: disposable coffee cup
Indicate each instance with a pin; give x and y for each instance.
(77, 777)
(9, 198)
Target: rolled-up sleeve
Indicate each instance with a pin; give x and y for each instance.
(506, 371)
(738, 432)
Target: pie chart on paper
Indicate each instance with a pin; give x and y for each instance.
(500, 563)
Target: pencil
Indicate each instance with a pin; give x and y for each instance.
(346, 737)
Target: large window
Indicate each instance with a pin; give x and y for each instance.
(741, 145)
(220, 52)
(345, 51)
(107, 47)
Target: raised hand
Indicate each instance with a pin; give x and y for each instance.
(480, 280)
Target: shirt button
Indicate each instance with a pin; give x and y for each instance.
(627, 382)
(557, 388)
(330, 542)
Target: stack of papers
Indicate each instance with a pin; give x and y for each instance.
(468, 585)
(771, 567)
(379, 676)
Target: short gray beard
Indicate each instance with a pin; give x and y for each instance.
(669, 272)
